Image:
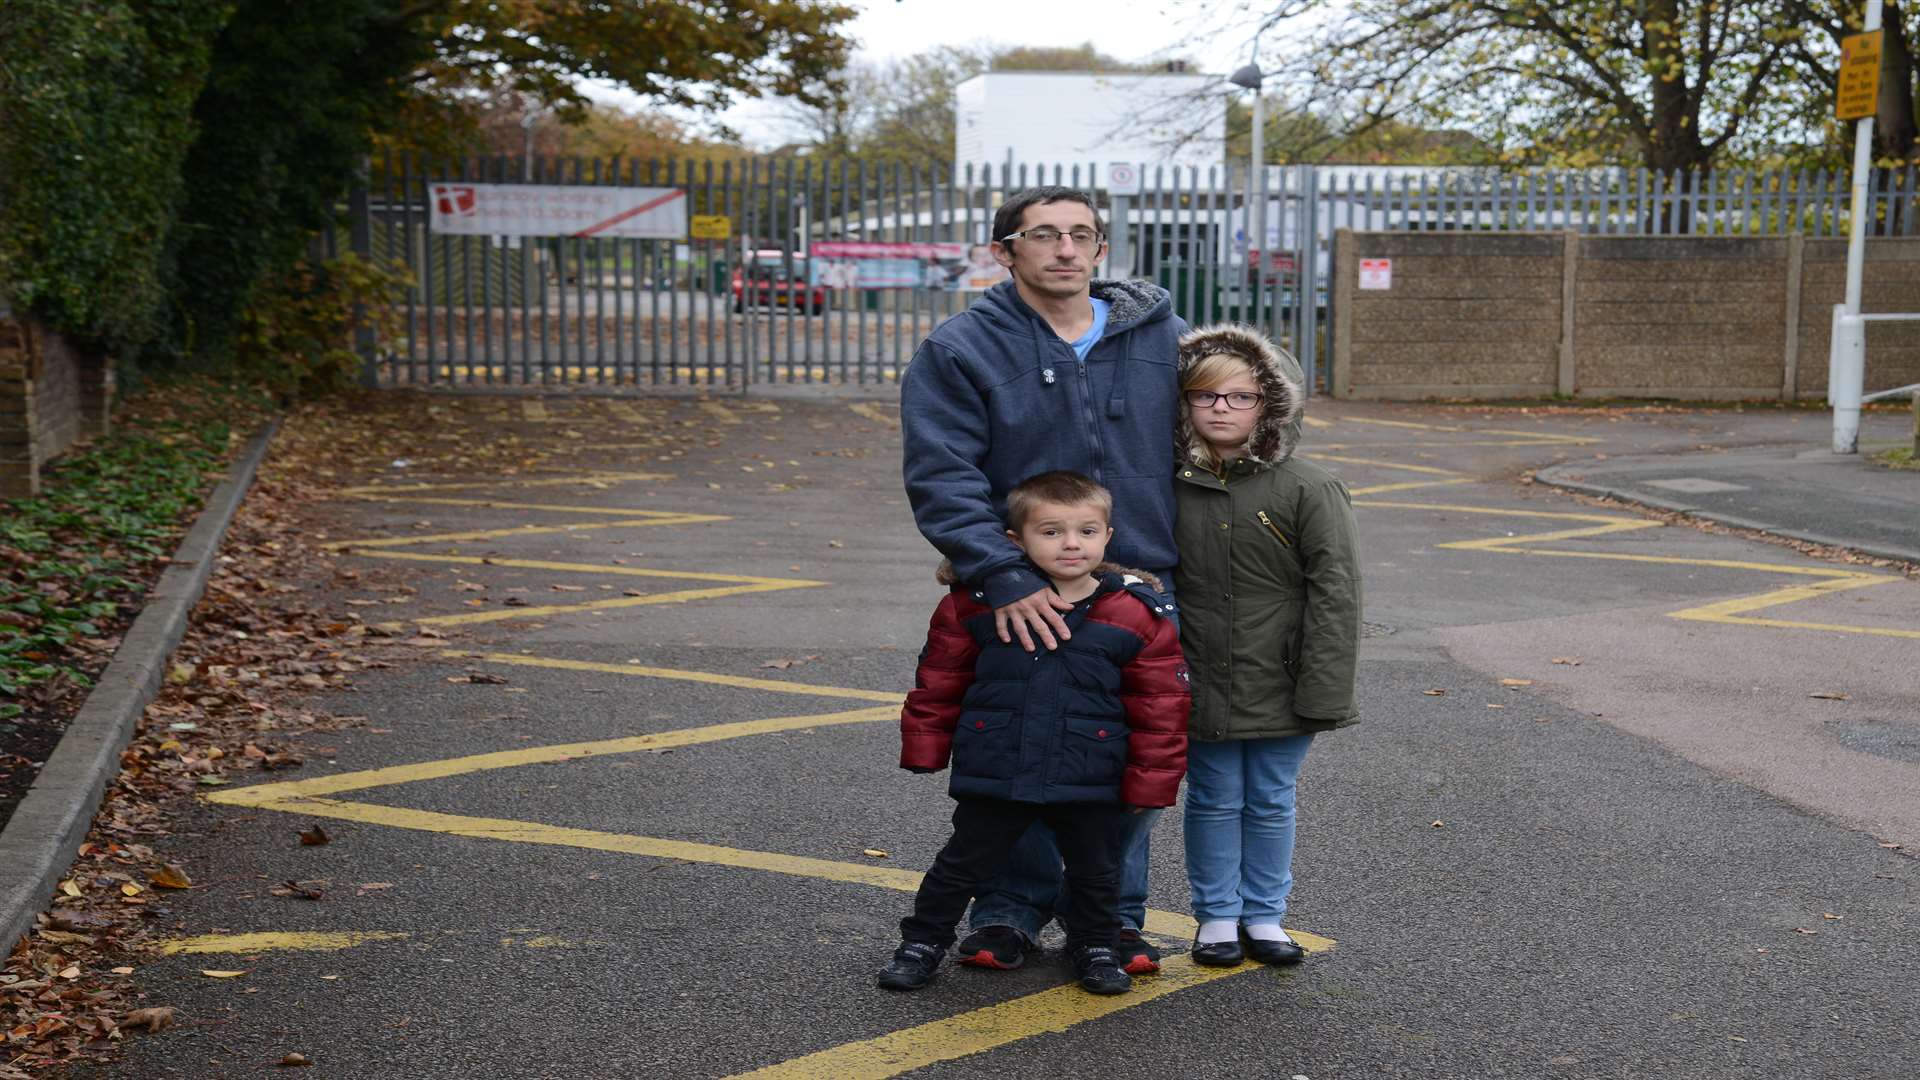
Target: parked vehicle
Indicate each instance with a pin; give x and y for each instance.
(772, 279)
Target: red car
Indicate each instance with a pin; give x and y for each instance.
(765, 282)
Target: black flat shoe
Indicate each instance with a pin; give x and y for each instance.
(1218, 954)
(1280, 953)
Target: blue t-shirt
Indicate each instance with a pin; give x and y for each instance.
(1084, 344)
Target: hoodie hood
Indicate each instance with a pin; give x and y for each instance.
(1278, 430)
(1133, 303)
(946, 575)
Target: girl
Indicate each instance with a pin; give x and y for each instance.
(1270, 592)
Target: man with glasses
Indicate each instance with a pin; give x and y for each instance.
(1050, 369)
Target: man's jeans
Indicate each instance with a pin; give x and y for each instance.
(1030, 893)
(1240, 824)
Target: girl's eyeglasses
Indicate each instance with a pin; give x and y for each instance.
(1204, 399)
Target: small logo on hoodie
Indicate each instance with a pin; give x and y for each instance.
(1046, 376)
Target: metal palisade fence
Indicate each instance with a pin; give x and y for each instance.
(732, 273)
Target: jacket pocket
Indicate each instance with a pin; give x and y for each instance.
(1267, 521)
(986, 744)
(1094, 753)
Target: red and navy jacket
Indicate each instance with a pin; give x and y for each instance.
(1101, 719)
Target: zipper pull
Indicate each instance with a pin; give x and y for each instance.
(1275, 529)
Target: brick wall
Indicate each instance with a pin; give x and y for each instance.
(1481, 315)
(52, 395)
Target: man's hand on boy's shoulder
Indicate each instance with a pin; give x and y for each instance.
(1040, 609)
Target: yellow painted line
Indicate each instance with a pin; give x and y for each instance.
(680, 596)
(534, 411)
(308, 941)
(1381, 489)
(709, 677)
(1729, 612)
(1049, 1011)
(591, 568)
(719, 412)
(625, 412)
(872, 412)
(260, 795)
(1386, 464)
(1497, 511)
(1538, 436)
(1314, 421)
(590, 478)
(496, 504)
(517, 530)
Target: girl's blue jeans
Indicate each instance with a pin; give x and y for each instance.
(1239, 826)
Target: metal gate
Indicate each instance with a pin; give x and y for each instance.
(767, 305)
(761, 306)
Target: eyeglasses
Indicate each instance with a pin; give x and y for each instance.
(1204, 399)
(1048, 235)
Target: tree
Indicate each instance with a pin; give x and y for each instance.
(1817, 52)
(1683, 84)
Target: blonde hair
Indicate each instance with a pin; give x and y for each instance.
(1210, 372)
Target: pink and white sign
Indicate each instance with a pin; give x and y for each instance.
(462, 209)
(1376, 273)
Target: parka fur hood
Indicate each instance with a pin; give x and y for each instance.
(1281, 380)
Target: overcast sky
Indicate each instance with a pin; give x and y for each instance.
(1214, 33)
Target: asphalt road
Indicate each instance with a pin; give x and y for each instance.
(1592, 825)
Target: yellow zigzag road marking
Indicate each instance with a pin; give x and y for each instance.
(260, 795)
(1726, 611)
(1386, 464)
(689, 676)
(680, 596)
(1409, 485)
(591, 478)
(653, 518)
(1535, 436)
(1053, 1010)
(311, 941)
(496, 504)
(872, 412)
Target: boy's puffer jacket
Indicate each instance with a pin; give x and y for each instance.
(1102, 719)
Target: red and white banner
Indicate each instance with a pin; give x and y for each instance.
(463, 209)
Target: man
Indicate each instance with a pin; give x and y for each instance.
(1050, 369)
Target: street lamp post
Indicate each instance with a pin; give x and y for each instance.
(1250, 77)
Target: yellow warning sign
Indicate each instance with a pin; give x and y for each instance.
(1859, 91)
(711, 226)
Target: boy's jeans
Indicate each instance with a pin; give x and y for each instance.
(1030, 892)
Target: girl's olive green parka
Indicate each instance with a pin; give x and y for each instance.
(1269, 566)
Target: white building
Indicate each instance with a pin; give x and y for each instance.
(1047, 119)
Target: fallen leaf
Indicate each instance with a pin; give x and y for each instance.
(123, 971)
(874, 853)
(372, 886)
(1804, 930)
(1434, 693)
(780, 664)
(214, 781)
(296, 1059)
(314, 837)
(1891, 847)
(153, 1019)
(568, 588)
(1570, 661)
(1516, 682)
(70, 972)
(835, 544)
(171, 876)
(70, 888)
(1827, 695)
(329, 978)
(130, 889)
(1828, 915)
(481, 677)
(294, 888)
(211, 974)
(1439, 824)
(1491, 705)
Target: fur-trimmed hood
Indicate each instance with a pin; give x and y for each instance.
(1281, 380)
(945, 575)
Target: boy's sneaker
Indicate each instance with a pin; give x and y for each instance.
(912, 966)
(1098, 969)
(1136, 956)
(1001, 948)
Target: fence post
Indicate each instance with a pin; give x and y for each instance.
(1345, 272)
(1569, 276)
(1796, 263)
(361, 213)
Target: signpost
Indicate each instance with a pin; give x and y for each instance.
(1854, 99)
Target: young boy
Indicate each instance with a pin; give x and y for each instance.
(1076, 737)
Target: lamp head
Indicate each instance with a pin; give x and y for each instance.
(1247, 77)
